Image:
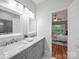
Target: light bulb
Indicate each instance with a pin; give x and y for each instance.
(26, 10)
(20, 6)
(12, 3)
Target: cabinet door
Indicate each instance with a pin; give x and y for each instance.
(30, 54)
(40, 49)
(35, 51)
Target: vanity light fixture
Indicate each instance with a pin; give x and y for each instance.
(26, 10)
(12, 3)
(20, 7)
(31, 15)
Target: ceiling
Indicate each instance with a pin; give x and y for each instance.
(38, 1)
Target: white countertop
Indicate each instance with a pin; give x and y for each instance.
(13, 49)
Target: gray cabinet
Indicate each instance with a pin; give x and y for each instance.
(33, 52)
(36, 51)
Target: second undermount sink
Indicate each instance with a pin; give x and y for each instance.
(29, 39)
(23, 42)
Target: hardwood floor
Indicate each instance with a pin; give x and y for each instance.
(59, 51)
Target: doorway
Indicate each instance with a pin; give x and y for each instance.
(59, 34)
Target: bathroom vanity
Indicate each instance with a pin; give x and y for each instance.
(26, 50)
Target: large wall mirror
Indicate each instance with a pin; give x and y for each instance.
(9, 23)
(32, 27)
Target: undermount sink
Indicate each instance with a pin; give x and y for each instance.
(13, 46)
(16, 45)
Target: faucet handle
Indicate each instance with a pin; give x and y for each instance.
(16, 40)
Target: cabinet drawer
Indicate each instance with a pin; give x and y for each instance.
(36, 51)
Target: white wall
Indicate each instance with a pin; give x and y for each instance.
(73, 29)
(44, 17)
